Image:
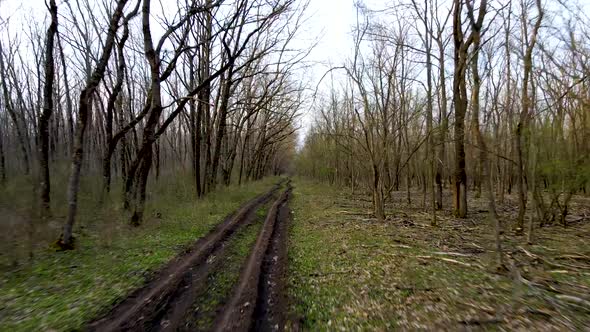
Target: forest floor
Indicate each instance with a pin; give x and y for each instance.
(328, 265)
(65, 290)
(347, 271)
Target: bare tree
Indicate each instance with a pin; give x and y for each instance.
(529, 44)
(84, 109)
(43, 135)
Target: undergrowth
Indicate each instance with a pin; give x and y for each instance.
(347, 271)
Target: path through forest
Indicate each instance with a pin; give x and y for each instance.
(256, 301)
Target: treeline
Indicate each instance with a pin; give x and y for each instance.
(128, 90)
(481, 95)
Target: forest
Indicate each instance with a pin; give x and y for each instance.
(190, 165)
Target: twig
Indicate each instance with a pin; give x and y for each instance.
(569, 272)
(563, 298)
(574, 299)
(552, 264)
(451, 261)
(480, 321)
(452, 254)
(576, 257)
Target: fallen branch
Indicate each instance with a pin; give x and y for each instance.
(569, 272)
(552, 264)
(574, 257)
(452, 254)
(451, 261)
(477, 246)
(473, 321)
(487, 310)
(566, 299)
(574, 299)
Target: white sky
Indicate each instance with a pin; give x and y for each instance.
(329, 23)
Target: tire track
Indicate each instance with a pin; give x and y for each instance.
(162, 303)
(258, 302)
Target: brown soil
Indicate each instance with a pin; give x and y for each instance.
(271, 304)
(258, 301)
(162, 303)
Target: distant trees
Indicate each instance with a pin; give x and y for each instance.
(211, 88)
(517, 107)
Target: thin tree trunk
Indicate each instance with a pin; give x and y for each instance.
(221, 124)
(524, 114)
(443, 128)
(486, 176)
(18, 124)
(2, 160)
(69, 104)
(43, 136)
(84, 111)
(111, 103)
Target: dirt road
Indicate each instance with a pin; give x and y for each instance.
(256, 300)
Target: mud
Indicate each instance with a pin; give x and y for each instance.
(257, 301)
(162, 302)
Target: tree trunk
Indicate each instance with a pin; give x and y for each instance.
(486, 175)
(2, 161)
(43, 135)
(69, 104)
(66, 242)
(524, 114)
(111, 103)
(444, 124)
(84, 111)
(221, 118)
(144, 158)
(19, 124)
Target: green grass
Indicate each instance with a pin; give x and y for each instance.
(225, 276)
(349, 272)
(64, 290)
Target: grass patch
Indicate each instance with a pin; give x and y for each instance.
(64, 290)
(349, 272)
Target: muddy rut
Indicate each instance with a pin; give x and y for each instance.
(256, 301)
